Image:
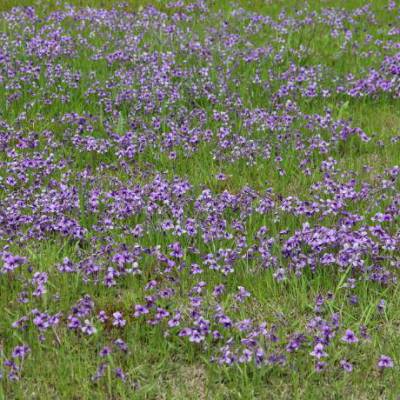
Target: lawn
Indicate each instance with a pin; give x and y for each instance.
(199, 199)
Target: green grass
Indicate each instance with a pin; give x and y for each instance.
(159, 369)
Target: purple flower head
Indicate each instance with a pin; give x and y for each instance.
(242, 294)
(11, 262)
(318, 351)
(218, 290)
(140, 310)
(259, 355)
(102, 316)
(295, 343)
(185, 332)
(280, 274)
(88, 328)
(121, 345)
(220, 176)
(176, 250)
(348, 367)
(161, 313)
(364, 332)
(175, 320)
(216, 335)
(385, 362)
(195, 269)
(20, 351)
(118, 320)
(381, 305)
(105, 351)
(120, 374)
(196, 336)
(349, 337)
(225, 321)
(246, 356)
(320, 366)
(73, 322)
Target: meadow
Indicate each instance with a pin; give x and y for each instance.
(199, 199)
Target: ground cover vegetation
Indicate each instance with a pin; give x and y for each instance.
(199, 200)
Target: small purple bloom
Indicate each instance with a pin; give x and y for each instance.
(349, 337)
(385, 362)
(118, 320)
(20, 351)
(105, 351)
(88, 328)
(140, 310)
(318, 351)
(196, 336)
(121, 345)
(120, 374)
(348, 367)
(185, 332)
(320, 366)
(102, 316)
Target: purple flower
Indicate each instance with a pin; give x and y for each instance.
(318, 351)
(220, 176)
(20, 351)
(185, 332)
(118, 320)
(176, 250)
(381, 305)
(348, 367)
(73, 322)
(280, 274)
(88, 328)
(102, 316)
(225, 321)
(385, 362)
(175, 320)
(218, 290)
(120, 374)
(140, 310)
(320, 366)
(216, 335)
(105, 351)
(242, 294)
(196, 336)
(349, 337)
(121, 345)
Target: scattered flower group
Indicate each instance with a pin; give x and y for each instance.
(92, 163)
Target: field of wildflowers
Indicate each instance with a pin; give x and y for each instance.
(199, 199)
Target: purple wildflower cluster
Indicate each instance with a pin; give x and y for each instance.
(104, 107)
